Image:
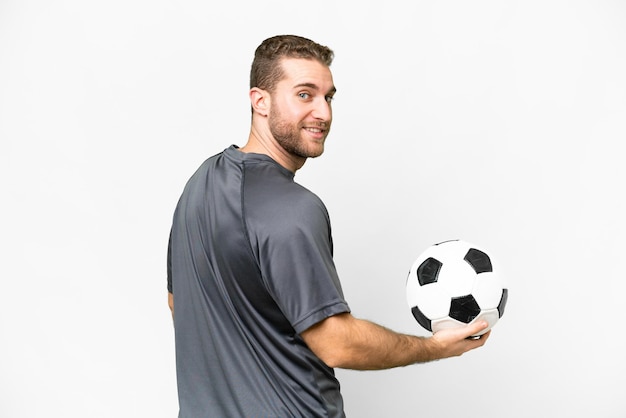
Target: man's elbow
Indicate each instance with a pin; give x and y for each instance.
(327, 339)
(170, 302)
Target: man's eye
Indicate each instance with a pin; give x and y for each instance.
(304, 95)
(329, 99)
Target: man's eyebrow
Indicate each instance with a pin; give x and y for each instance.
(314, 86)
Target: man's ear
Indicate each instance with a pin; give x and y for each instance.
(260, 101)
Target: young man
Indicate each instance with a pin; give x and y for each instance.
(260, 318)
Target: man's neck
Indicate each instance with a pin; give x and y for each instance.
(262, 145)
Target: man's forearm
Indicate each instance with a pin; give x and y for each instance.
(347, 342)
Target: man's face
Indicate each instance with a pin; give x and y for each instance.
(301, 114)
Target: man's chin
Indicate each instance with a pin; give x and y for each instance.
(314, 153)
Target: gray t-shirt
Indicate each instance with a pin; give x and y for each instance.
(250, 265)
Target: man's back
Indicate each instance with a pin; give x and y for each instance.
(250, 267)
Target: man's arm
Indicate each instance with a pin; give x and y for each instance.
(170, 302)
(344, 341)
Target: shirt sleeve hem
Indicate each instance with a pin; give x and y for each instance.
(314, 317)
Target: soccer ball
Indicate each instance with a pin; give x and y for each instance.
(454, 283)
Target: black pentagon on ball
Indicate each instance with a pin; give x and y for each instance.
(502, 304)
(421, 318)
(464, 308)
(480, 262)
(428, 271)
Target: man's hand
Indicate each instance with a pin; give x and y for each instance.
(455, 341)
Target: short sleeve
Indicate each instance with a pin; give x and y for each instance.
(290, 234)
(299, 271)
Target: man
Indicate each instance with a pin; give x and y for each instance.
(260, 318)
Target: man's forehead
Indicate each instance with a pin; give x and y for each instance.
(307, 72)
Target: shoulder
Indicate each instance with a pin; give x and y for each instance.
(268, 184)
(271, 199)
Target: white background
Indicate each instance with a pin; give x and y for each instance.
(498, 122)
